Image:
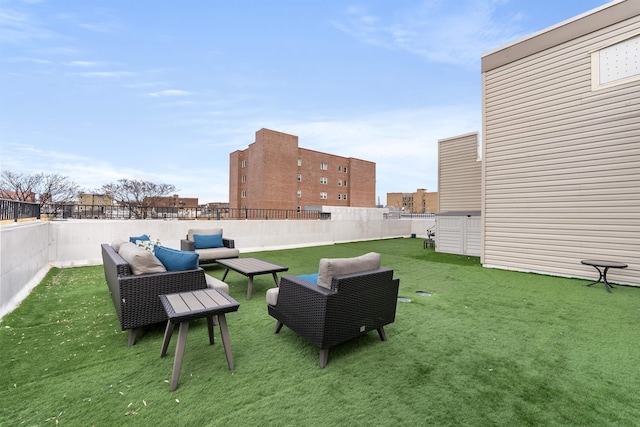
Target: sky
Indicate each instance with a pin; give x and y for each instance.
(164, 91)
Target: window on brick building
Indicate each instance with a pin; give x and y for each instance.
(323, 166)
(323, 195)
(299, 194)
(323, 180)
(299, 209)
(339, 196)
(339, 182)
(244, 178)
(345, 169)
(299, 162)
(344, 197)
(345, 182)
(244, 194)
(299, 177)
(244, 163)
(339, 168)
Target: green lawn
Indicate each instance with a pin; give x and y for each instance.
(487, 347)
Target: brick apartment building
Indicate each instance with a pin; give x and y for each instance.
(274, 173)
(419, 202)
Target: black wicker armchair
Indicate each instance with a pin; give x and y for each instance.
(356, 304)
(137, 297)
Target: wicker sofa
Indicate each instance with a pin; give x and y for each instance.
(136, 297)
(209, 255)
(352, 305)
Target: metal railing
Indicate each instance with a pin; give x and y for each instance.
(15, 210)
(408, 215)
(66, 211)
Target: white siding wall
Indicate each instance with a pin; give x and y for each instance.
(562, 163)
(459, 174)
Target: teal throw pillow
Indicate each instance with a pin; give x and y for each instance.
(176, 260)
(207, 241)
(134, 238)
(312, 278)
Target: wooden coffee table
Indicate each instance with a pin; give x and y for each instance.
(251, 267)
(186, 306)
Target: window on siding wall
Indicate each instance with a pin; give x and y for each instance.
(616, 64)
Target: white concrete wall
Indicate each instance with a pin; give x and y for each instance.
(24, 261)
(29, 249)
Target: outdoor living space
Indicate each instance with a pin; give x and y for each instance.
(469, 346)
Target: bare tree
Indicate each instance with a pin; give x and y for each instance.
(17, 186)
(43, 188)
(137, 195)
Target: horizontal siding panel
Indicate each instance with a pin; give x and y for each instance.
(459, 174)
(625, 137)
(562, 163)
(545, 115)
(566, 119)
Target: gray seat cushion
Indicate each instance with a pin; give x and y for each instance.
(217, 253)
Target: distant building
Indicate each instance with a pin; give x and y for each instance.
(20, 196)
(174, 201)
(419, 202)
(89, 199)
(274, 173)
(172, 206)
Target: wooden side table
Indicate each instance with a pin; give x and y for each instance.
(186, 306)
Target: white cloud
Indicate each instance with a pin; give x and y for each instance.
(105, 74)
(85, 64)
(18, 27)
(29, 60)
(106, 23)
(436, 31)
(169, 92)
(145, 85)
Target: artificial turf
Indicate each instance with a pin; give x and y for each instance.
(476, 346)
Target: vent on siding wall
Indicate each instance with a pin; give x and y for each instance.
(616, 64)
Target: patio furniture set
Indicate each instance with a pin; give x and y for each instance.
(348, 297)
